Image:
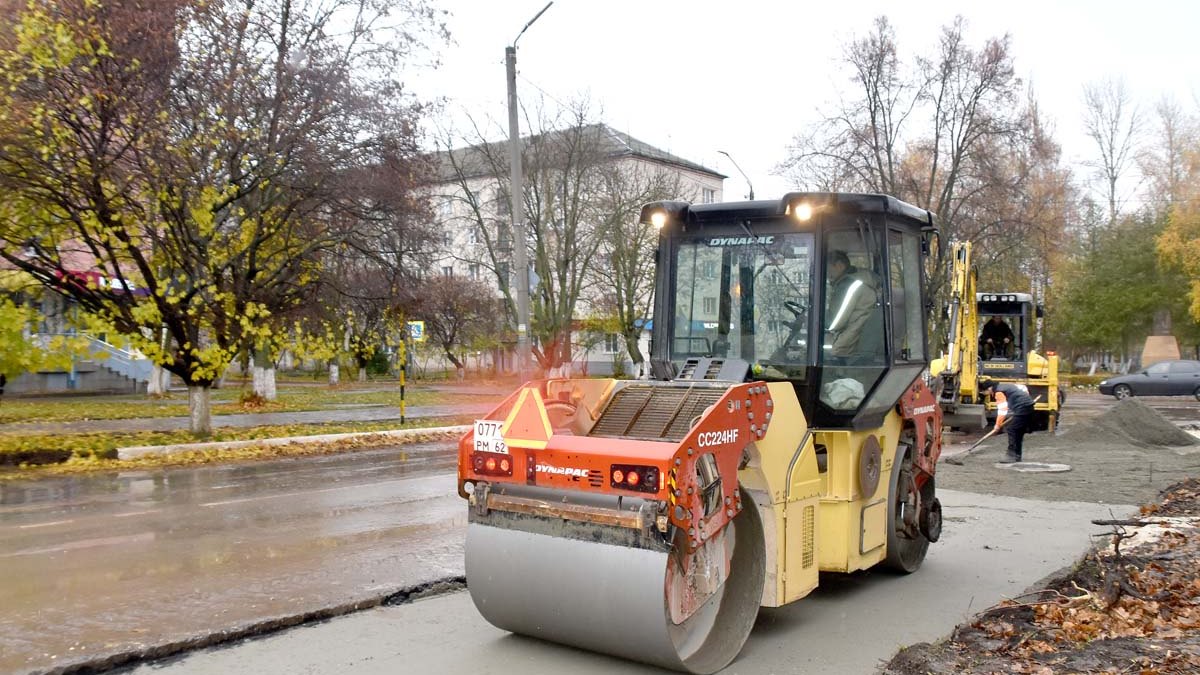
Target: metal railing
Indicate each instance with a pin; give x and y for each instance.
(131, 364)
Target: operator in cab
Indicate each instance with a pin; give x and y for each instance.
(996, 339)
(851, 303)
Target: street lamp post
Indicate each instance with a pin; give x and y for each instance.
(516, 189)
(735, 165)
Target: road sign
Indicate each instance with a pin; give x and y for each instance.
(416, 331)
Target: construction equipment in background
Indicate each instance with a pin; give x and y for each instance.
(1023, 365)
(956, 371)
(966, 359)
(651, 519)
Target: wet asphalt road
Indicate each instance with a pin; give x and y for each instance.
(108, 563)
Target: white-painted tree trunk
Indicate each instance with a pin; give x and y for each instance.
(335, 374)
(200, 409)
(160, 381)
(362, 374)
(264, 382)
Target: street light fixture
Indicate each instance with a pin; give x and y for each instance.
(735, 165)
(516, 190)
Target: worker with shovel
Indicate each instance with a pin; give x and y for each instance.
(1014, 409)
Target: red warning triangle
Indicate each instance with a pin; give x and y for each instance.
(527, 425)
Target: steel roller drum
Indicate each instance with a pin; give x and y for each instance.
(611, 598)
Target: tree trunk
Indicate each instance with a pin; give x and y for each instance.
(264, 382)
(335, 373)
(160, 381)
(200, 409)
(264, 375)
(362, 374)
(458, 364)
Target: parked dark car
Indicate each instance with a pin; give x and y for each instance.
(1165, 378)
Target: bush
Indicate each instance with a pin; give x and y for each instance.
(1086, 380)
(54, 448)
(380, 364)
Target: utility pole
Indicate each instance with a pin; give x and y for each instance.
(735, 165)
(516, 194)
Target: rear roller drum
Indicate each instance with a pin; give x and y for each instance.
(588, 589)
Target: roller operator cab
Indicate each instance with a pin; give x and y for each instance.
(786, 431)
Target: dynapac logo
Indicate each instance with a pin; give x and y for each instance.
(562, 470)
(740, 241)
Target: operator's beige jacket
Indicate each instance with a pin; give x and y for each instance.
(854, 299)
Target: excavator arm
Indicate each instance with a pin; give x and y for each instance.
(957, 370)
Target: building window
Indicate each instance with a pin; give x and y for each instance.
(613, 342)
(708, 195)
(447, 271)
(473, 271)
(446, 209)
(708, 269)
(502, 271)
(710, 306)
(503, 203)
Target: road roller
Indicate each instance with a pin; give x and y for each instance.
(785, 430)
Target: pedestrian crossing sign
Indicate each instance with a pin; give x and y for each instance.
(416, 331)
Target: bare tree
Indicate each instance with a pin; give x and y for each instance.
(1113, 123)
(1164, 161)
(860, 145)
(458, 313)
(624, 272)
(475, 197)
(369, 285)
(566, 161)
(944, 135)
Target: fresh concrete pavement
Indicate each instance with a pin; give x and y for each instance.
(993, 548)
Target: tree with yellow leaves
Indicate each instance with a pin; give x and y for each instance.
(1179, 243)
(187, 167)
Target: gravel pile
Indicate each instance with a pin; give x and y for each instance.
(1134, 422)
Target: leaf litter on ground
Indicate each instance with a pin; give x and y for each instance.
(1131, 605)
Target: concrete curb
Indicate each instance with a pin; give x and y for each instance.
(397, 435)
(133, 656)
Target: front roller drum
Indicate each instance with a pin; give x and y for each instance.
(601, 594)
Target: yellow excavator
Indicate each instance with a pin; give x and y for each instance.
(786, 432)
(968, 358)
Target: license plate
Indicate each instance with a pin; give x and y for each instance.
(488, 438)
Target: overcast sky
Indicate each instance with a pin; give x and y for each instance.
(744, 76)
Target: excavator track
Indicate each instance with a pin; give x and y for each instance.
(598, 578)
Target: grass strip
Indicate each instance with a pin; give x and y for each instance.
(224, 402)
(34, 455)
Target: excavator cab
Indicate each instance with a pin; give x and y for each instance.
(1021, 364)
(1019, 313)
(820, 290)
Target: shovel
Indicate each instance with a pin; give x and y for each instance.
(957, 460)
